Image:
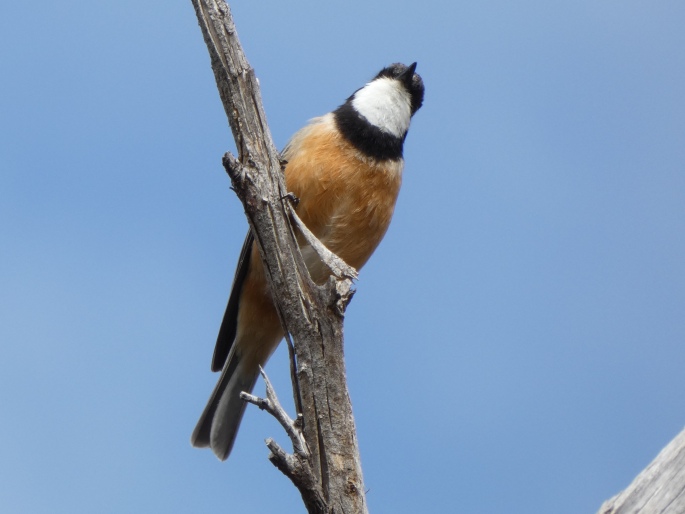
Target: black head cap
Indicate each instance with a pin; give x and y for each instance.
(412, 81)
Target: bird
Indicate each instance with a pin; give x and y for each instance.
(345, 168)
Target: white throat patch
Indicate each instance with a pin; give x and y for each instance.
(385, 103)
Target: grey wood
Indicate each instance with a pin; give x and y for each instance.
(329, 474)
(658, 489)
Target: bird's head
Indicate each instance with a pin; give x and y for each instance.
(390, 99)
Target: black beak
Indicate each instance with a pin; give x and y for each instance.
(407, 75)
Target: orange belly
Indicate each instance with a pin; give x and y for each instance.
(346, 200)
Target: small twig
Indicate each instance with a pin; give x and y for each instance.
(337, 266)
(297, 395)
(271, 405)
(299, 470)
(296, 466)
(280, 458)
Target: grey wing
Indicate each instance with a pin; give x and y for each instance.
(229, 325)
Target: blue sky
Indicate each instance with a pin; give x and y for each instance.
(515, 344)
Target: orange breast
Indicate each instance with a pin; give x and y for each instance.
(346, 200)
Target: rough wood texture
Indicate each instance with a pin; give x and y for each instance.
(330, 477)
(659, 489)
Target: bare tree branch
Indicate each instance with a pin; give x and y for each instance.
(659, 489)
(271, 405)
(330, 478)
(295, 466)
(337, 266)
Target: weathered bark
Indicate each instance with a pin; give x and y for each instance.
(328, 471)
(659, 489)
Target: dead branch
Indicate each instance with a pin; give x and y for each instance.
(330, 477)
(271, 405)
(659, 489)
(337, 266)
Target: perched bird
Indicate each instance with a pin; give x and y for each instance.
(346, 169)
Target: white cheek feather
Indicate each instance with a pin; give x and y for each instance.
(386, 104)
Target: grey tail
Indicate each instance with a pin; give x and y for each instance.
(221, 418)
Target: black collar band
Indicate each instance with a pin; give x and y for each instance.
(365, 137)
